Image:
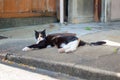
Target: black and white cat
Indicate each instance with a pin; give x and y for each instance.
(65, 42)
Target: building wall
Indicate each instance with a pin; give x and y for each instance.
(80, 11)
(83, 11)
(28, 21)
(115, 10)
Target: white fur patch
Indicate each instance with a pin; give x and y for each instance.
(26, 49)
(111, 43)
(70, 47)
(62, 45)
(39, 39)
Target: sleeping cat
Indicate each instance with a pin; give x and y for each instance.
(65, 42)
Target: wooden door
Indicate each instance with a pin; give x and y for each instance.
(97, 10)
(1, 6)
(27, 8)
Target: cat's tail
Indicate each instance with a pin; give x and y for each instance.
(111, 43)
(102, 42)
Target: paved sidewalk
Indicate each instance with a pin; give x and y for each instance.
(12, 73)
(89, 62)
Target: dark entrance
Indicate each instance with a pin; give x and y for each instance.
(65, 10)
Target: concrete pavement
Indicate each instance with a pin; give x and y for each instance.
(89, 62)
(22, 72)
(12, 73)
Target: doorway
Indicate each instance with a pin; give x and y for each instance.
(65, 10)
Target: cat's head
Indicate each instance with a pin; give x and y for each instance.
(40, 35)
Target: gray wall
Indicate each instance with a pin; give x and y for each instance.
(80, 11)
(16, 22)
(115, 9)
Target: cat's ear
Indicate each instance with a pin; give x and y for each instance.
(35, 31)
(36, 34)
(44, 31)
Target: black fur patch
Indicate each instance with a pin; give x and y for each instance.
(63, 39)
(82, 43)
(98, 43)
(42, 44)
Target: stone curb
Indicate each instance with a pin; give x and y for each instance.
(67, 68)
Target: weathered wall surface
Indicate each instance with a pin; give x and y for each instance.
(80, 11)
(17, 22)
(115, 9)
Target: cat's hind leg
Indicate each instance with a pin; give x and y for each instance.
(70, 47)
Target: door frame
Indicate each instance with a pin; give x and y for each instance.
(62, 10)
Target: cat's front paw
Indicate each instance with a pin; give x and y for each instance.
(26, 49)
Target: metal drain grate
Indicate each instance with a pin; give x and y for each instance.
(3, 37)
